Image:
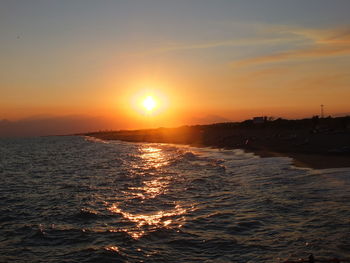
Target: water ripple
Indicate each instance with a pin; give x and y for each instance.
(75, 199)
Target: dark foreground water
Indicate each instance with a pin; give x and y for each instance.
(74, 199)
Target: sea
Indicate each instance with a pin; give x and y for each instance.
(79, 199)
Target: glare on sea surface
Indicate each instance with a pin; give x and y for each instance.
(152, 157)
(155, 220)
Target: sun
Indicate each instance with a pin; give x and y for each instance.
(149, 103)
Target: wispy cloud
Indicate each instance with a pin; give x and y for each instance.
(255, 35)
(224, 43)
(324, 43)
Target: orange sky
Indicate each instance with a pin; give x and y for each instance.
(206, 63)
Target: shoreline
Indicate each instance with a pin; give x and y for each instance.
(314, 161)
(303, 160)
(319, 145)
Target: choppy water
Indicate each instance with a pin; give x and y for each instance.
(74, 199)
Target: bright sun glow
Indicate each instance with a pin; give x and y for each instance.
(149, 103)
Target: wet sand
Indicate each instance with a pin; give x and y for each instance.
(315, 161)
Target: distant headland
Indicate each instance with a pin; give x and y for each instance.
(314, 142)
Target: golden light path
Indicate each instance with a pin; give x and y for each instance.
(155, 220)
(152, 158)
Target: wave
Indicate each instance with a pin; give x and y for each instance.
(74, 199)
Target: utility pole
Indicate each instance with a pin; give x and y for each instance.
(322, 113)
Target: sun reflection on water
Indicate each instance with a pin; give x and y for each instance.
(158, 219)
(151, 189)
(153, 185)
(153, 157)
(112, 248)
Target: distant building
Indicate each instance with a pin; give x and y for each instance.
(259, 120)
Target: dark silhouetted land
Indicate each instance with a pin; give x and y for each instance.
(315, 142)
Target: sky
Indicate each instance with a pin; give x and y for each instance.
(203, 61)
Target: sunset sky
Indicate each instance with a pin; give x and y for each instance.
(203, 60)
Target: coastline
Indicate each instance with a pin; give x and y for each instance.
(317, 151)
(314, 161)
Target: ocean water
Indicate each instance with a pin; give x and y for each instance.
(77, 199)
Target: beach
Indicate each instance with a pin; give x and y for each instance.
(325, 144)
